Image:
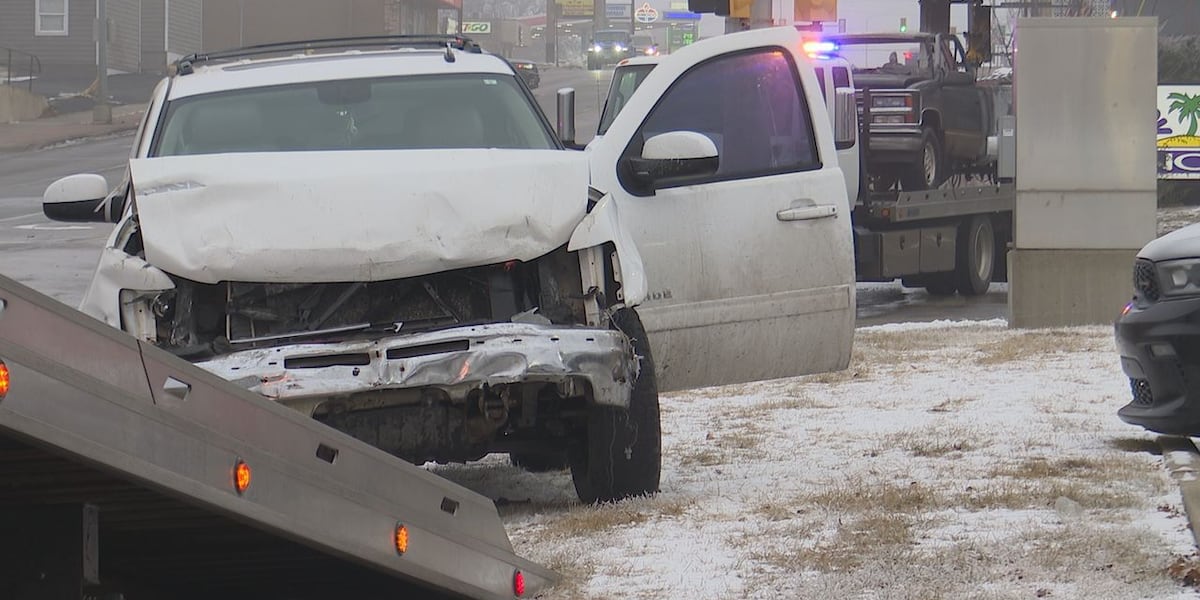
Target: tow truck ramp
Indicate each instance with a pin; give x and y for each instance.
(127, 473)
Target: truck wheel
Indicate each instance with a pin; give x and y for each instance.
(622, 454)
(591, 65)
(929, 171)
(976, 258)
(539, 462)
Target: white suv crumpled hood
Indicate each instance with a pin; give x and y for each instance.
(312, 217)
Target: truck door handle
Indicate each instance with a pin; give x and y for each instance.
(807, 213)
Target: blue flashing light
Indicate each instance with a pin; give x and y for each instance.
(818, 49)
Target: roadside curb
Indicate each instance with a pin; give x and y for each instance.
(36, 135)
(1183, 462)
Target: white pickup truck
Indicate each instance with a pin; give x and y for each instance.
(393, 240)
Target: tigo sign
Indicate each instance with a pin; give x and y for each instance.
(477, 27)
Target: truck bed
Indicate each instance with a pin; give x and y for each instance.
(117, 475)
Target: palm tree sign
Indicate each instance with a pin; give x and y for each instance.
(1188, 107)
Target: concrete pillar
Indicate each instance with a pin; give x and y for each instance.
(1086, 200)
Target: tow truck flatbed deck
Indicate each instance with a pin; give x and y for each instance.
(904, 207)
(118, 475)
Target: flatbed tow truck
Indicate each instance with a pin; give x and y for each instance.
(127, 473)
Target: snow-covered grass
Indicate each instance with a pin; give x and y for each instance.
(951, 460)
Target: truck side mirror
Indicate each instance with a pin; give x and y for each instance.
(566, 118)
(845, 118)
(673, 155)
(77, 198)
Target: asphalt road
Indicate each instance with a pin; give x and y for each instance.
(58, 258)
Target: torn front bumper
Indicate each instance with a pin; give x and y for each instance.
(456, 361)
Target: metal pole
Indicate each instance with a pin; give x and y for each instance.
(102, 112)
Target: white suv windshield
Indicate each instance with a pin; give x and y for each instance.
(411, 112)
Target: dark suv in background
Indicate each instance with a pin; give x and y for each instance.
(528, 70)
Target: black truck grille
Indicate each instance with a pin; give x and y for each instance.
(1141, 392)
(1145, 281)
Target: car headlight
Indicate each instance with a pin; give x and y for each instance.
(618, 47)
(1179, 277)
(597, 48)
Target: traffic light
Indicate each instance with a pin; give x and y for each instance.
(903, 24)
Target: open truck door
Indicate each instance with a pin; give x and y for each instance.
(724, 170)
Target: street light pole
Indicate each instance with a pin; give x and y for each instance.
(102, 111)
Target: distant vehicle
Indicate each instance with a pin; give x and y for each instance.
(930, 120)
(644, 45)
(528, 70)
(608, 47)
(1156, 336)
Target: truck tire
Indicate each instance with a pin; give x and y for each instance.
(622, 453)
(591, 64)
(539, 462)
(940, 284)
(976, 256)
(929, 170)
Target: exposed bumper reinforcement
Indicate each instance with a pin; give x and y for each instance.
(455, 360)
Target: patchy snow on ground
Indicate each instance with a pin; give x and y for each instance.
(951, 460)
(1176, 217)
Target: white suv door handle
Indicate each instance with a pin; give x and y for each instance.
(807, 213)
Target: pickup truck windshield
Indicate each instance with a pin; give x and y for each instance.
(609, 37)
(411, 112)
(907, 58)
(626, 79)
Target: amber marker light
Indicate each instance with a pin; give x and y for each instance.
(4, 381)
(401, 538)
(241, 476)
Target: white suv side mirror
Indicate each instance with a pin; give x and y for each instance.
(76, 198)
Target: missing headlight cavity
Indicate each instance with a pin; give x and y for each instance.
(198, 320)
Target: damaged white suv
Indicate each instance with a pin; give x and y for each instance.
(391, 238)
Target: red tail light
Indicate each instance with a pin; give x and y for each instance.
(518, 583)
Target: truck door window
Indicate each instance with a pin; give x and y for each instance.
(821, 79)
(750, 105)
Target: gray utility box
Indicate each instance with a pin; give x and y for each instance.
(1085, 164)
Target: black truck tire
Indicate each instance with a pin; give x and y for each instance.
(539, 462)
(976, 256)
(929, 170)
(940, 284)
(622, 453)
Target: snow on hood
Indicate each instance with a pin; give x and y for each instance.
(311, 217)
(1181, 243)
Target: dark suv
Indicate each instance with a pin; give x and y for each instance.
(528, 70)
(609, 47)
